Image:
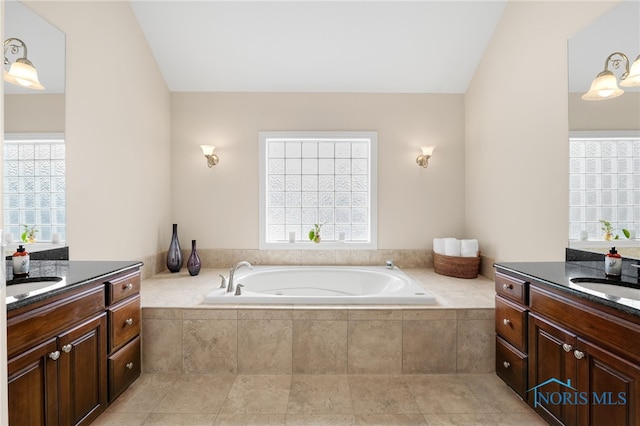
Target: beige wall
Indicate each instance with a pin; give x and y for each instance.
(34, 113)
(219, 206)
(516, 191)
(4, 415)
(117, 132)
(621, 113)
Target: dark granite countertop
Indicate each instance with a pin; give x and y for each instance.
(73, 274)
(559, 275)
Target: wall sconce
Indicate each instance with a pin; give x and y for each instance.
(423, 159)
(605, 85)
(22, 72)
(212, 159)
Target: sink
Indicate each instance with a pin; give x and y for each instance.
(23, 287)
(612, 290)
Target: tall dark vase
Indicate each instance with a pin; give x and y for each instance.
(193, 263)
(174, 255)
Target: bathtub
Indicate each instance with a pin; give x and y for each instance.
(323, 285)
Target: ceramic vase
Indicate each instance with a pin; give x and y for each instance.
(174, 255)
(193, 263)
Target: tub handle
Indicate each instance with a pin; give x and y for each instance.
(238, 290)
(223, 284)
(390, 264)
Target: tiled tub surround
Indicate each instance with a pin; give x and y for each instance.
(182, 336)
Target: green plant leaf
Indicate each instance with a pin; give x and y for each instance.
(626, 233)
(312, 235)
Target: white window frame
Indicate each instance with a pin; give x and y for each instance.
(301, 243)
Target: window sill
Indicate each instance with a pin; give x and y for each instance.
(308, 245)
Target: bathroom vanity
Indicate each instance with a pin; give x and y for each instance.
(72, 344)
(568, 343)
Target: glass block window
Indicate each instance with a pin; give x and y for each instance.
(318, 178)
(34, 185)
(604, 183)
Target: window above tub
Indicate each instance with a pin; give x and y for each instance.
(323, 178)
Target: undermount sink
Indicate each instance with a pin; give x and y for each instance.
(613, 290)
(21, 288)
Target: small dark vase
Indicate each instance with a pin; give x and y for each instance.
(194, 264)
(174, 255)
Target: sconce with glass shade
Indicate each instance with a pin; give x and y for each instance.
(605, 85)
(22, 72)
(212, 159)
(423, 159)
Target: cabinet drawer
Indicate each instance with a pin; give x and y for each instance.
(122, 286)
(511, 323)
(511, 366)
(124, 322)
(124, 368)
(511, 288)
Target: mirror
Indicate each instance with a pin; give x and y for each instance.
(33, 177)
(610, 178)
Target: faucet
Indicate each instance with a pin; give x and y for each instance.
(233, 271)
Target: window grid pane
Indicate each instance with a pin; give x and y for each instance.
(603, 185)
(323, 181)
(34, 187)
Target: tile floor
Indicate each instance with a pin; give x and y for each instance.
(438, 399)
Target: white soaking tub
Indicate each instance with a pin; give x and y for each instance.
(323, 285)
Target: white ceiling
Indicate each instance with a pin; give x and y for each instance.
(318, 46)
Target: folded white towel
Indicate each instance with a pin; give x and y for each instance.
(469, 248)
(438, 245)
(451, 247)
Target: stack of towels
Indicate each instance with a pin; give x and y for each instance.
(455, 247)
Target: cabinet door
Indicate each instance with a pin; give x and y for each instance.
(83, 373)
(551, 362)
(612, 385)
(33, 388)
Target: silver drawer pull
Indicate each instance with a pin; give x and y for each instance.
(506, 321)
(578, 354)
(54, 355)
(130, 366)
(67, 348)
(507, 286)
(567, 347)
(129, 321)
(506, 364)
(128, 286)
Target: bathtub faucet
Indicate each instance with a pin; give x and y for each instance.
(233, 270)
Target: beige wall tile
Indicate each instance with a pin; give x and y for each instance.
(265, 346)
(210, 346)
(429, 346)
(476, 314)
(319, 347)
(313, 257)
(476, 346)
(210, 314)
(375, 347)
(272, 312)
(320, 313)
(364, 313)
(429, 314)
(161, 313)
(161, 346)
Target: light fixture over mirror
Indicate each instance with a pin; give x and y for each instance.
(605, 85)
(22, 72)
(212, 159)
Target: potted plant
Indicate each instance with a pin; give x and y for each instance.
(29, 234)
(608, 231)
(314, 234)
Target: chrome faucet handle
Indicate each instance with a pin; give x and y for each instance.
(390, 264)
(238, 290)
(223, 284)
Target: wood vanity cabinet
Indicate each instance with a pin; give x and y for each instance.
(123, 312)
(589, 346)
(511, 332)
(56, 360)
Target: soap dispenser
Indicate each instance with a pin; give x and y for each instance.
(613, 263)
(21, 263)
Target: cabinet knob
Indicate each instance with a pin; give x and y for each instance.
(578, 354)
(129, 321)
(67, 348)
(507, 286)
(130, 366)
(128, 286)
(506, 321)
(506, 364)
(54, 355)
(567, 347)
